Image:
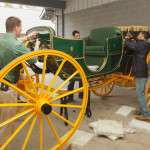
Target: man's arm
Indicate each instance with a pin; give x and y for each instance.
(131, 45)
(19, 49)
(28, 37)
(23, 39)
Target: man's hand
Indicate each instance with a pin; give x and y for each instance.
(129, 34)
(127, 37)
(37, 44)
(32, 35)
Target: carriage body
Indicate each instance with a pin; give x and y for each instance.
(96, 58)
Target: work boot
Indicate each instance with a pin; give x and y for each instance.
(137, 112)
(142, 118)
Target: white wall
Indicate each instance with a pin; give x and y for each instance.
(30, 18)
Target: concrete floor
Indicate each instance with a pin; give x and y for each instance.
(102, 108)
(105, 108)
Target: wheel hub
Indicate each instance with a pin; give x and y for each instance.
(43, 106)
(46, 109)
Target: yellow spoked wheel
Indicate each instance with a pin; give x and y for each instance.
(39, 119)
(25, 85)
(147, 93)
(104, 88)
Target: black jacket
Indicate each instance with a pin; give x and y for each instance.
(140, 50)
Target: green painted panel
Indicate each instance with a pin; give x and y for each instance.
(72, 47)
(94, 60)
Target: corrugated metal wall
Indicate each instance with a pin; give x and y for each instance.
(116, 13)
(75, 5)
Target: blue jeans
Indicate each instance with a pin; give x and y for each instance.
(140, 92)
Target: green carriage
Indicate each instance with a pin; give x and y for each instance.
(98, 59)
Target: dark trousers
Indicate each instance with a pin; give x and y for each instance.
(71, 87)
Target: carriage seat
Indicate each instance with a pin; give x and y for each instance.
(94, 51)
(95, 43)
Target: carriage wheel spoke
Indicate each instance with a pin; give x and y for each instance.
(53, 129)
(59, 116)
(105, 89)
(101, 90)
(67, 93)
(23, 100)
(16, 117)
(17, 130)
(29, 77)
(109, 86)
(27, 107)
(43, 76)
(65, 105)
(22, 93)
(54, 78)
(40, 130)
(29, 132)
(60, 86)
(16, 104)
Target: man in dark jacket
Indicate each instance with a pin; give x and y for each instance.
(140, 50)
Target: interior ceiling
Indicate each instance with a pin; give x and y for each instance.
(41, 3)
(49, 6)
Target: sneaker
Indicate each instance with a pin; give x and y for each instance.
(137, 112)
(142, 118)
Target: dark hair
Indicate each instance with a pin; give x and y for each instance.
(11, 23)
(74, 32)
(146, 34)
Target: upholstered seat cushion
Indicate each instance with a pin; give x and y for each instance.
(98, 36)
(94, 51)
